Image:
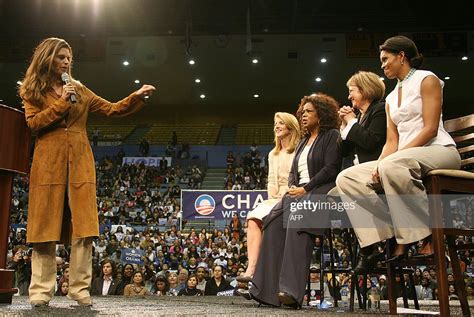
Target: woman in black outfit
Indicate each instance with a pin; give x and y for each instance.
(217, 283)
(190, 289)
(127, 273)
(282, 269)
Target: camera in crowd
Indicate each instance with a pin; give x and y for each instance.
(27, 253)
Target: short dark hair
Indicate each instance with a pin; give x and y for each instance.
(400, 43)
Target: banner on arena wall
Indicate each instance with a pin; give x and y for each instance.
(132, 256)
(219, 204)
(148, 161)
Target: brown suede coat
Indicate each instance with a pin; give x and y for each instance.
(62, 197)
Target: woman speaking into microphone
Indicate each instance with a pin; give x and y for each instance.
(62, 194)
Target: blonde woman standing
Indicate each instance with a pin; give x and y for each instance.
(287, 135)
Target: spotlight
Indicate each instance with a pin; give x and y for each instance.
(191, 62)
(19, 83)
(202, 96)
(125, 63)
(256, 95)
(254, 61)
(464, 58)
(323, 60)
(447, 78)
(318, 79)
(137, 81)
(197, 80)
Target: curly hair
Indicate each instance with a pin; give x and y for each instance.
(326, 108)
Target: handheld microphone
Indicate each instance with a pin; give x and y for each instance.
(65, 79)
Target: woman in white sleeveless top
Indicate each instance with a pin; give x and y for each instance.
(416, 143)
(287, 136)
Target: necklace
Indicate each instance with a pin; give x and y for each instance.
(410, 73)
(137, 289)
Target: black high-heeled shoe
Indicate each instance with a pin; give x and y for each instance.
(244, 278)
(245, 293)
(288, 300)
(367, 259)
(396, 258)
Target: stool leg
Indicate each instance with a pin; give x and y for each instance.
(392, 292)
(440, 262)
(413, 289)
(458, 277)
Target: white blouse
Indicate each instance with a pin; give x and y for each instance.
(409, 117)
(303, 165)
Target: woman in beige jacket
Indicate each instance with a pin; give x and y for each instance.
(287, 136)
(62, 196)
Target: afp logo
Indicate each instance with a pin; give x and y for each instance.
(205, 204)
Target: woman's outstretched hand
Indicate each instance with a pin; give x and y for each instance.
(146, 90)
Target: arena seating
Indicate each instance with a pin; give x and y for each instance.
(190, 133)
(258, 133)
(111, 133)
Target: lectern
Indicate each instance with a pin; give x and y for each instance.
(15, 140)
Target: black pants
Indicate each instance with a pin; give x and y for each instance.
(283, 262)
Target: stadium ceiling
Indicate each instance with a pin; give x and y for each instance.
(289, 38)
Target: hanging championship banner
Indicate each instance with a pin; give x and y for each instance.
(219, 204)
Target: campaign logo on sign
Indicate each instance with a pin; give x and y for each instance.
(205, 205)
(133, 256)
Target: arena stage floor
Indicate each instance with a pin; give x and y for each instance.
(190, 306)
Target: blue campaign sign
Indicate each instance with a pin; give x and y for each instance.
(220, 204)
(133, 256)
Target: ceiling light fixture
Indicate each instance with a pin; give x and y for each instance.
(323, 60)
(464, 58)
(197, 80)
(254, 61)
(318, 79)
(191, 62)
(137, 81)
(202, 96)
(125, 63)
(256, 95)
(447, 78)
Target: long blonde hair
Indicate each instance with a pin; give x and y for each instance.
(38, 78)
(292, 124)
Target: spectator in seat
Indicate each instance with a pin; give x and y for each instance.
(144, 148)
(95, 136)
(63, 288)
(127, 274)
(217, 283)
(106, 283)
(137, 288)
(191, 287)
(161, 286)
